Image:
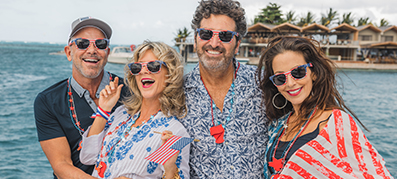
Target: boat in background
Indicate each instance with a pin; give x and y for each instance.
(120, 55)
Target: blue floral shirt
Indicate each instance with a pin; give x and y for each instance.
(241, 154)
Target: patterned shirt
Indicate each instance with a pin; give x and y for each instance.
(128, 157)
(341, 150)
(241, 154)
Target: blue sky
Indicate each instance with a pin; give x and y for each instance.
(134, 21)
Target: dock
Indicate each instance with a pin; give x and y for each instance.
(343, 64)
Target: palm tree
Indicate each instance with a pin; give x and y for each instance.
(306, 20)
(347, 18)
(383, 22)
(363, 21)
(270, 15)
(327, 19)
(290, 17)
(182, 34)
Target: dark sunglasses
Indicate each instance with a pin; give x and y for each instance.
(297, 73)
(152, 66)
(83, 43)
(224, 35)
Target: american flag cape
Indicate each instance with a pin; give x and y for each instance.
(169, 149)
(340, 150)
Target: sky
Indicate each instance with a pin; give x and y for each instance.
(134, 21)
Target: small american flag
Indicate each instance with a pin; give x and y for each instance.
(169, 149)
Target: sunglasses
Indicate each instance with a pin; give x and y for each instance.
(297, 73)
(224, 35)
(83, 43)
(152, 66)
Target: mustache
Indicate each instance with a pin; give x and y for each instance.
(217, 48)
(93, 56)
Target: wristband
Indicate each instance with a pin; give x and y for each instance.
(102, 113)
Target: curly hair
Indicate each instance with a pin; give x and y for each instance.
(229, 8)
(324, 91)
(172, 98)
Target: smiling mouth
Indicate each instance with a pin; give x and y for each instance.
(147, 82)
(90, 60)
(294, 92)
(213, 52)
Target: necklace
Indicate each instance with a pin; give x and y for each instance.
(218, 131)
(278, 164)
(101, 166)
(72, 108)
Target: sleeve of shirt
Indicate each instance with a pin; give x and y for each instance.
(364, 159)
(91, 146)
(47, 123)
(183, 158)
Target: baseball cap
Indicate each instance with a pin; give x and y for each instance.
(83, 22)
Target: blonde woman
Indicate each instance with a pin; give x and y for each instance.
(118, 146)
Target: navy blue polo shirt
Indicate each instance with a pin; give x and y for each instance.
(53, 115)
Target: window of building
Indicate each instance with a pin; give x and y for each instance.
(366, 37)
(387, 38)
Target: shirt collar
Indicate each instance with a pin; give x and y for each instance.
(80, 90)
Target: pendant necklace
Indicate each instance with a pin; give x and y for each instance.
(72, 108)
(218, 131)
(278, 164)
(100, 165)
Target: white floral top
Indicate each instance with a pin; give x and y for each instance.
(128, 156)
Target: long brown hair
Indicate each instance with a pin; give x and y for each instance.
(324, 93)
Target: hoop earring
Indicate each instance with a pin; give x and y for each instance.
(274, 104)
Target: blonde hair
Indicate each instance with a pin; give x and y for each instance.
(172, 98)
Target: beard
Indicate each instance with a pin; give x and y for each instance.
(220, 63)
(89, 72)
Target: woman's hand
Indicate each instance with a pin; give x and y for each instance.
(170, 167)
(110, 95)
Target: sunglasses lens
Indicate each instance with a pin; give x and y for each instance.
(154, 67)
(101, 44)
(299, 72)
(82, 43)
(205, 34)
(225, 36)
(279, 79)
(135, 68)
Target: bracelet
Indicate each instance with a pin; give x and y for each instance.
(176, 176)
(102, 113)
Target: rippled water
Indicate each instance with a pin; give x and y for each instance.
(27, 69)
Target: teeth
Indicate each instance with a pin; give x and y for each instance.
(294, 92)
(213, 52)
(147, 81)
(90, 60)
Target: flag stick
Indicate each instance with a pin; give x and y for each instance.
(196, 140)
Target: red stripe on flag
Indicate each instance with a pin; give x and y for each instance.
(162, 154)
(339, 134)
(318, 165)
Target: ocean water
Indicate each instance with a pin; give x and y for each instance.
(27, 68)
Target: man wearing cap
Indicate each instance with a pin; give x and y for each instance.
(63, 111)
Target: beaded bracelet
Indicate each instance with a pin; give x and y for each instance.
(176, 176)
(102, 113)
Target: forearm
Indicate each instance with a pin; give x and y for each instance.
(97, 126)
(68, 171)
(170, 171)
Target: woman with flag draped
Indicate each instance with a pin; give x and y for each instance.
(310, 133)
(118, 143)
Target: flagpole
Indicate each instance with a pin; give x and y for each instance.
(195, 140)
